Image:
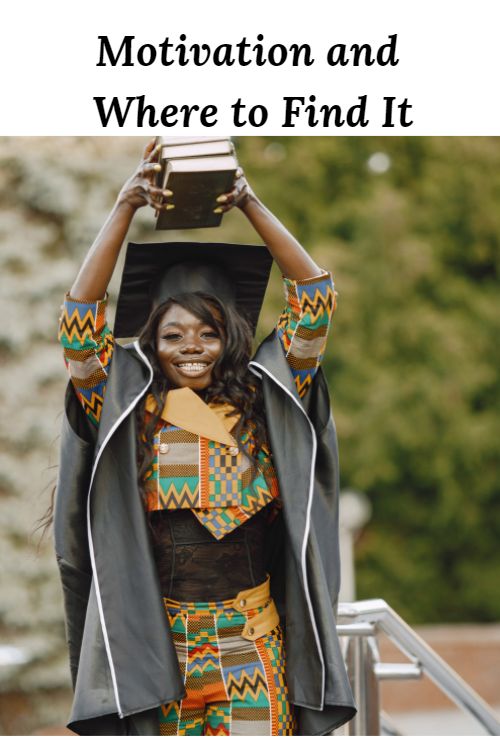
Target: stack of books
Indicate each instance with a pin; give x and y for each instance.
(197, 171)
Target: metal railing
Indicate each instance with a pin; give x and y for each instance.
(358, 625)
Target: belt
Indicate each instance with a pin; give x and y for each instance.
(265, 620)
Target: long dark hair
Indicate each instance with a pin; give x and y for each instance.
(232, 382)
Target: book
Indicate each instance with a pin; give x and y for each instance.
(181, 139)
(190, 150)
(196, 183)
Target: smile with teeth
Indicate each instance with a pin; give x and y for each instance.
(193, 366)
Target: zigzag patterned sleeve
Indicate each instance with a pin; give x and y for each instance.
(88, 348)
(303, 325)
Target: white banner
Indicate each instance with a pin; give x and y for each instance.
(261, 67)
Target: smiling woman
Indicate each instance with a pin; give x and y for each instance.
(187, 347)
(198, 548)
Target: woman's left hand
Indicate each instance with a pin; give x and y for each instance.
(239, 196)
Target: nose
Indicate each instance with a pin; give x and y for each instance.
(191, 345)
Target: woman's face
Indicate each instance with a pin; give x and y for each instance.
(187, 349)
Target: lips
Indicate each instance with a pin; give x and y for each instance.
(192, 368)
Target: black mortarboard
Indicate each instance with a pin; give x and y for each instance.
(154, 271)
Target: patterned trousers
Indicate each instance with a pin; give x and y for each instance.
(235, 681)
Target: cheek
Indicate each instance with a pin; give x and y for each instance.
(164, 355)
(219, 346)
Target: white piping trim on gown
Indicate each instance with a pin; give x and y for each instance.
(122, 416)
(252, 365)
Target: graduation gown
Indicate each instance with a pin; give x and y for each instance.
(122, 659)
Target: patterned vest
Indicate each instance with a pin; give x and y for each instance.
(199, 465)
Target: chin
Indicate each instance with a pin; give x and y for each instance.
(195, 385)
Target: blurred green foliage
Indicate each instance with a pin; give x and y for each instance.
(414, 358)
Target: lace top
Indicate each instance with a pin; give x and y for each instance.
(192, 565)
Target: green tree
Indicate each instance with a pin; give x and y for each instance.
(414, 357)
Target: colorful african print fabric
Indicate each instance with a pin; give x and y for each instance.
(88, 348)
(234, 686)
(215, 481)
(303, 326)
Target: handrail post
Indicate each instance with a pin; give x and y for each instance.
(360, 661)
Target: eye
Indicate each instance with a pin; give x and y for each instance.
(171, 336)
(211, 334)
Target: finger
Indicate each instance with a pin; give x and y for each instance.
(158, 205)
(231, 197)
(150, 169)
(158, 192)
(156, 198)
(230, 200)
(156, 151)
(223, 209)
(150, 147)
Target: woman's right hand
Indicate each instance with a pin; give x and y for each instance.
(140, 189)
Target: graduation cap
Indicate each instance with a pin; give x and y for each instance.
(155, 271)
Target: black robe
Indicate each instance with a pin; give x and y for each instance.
(122, 659)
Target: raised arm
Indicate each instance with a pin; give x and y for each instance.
(291, 257)
(97, 268)
(87, 341)
(310, 299)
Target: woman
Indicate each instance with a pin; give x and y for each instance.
(171, 625)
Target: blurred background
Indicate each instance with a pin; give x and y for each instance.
(410, 228)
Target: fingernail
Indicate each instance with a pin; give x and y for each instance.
(217, 210)
(168, 193)
(221, 199)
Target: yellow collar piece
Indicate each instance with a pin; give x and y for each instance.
(185, 409)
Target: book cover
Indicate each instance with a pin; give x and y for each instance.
(196, 184)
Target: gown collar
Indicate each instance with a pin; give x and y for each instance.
(185, 409)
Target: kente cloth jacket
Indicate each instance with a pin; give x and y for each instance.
(199, 465)
(123, 663)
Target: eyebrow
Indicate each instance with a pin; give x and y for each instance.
(171, 323)
(181, 325)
